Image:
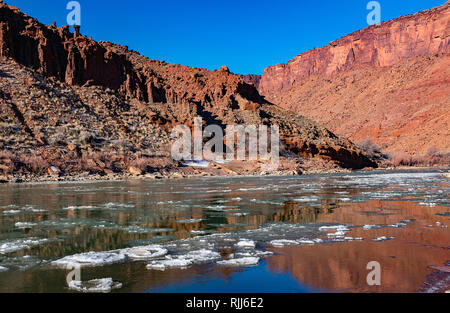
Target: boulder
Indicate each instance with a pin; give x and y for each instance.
(134, 171)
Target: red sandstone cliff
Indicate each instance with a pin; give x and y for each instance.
(389, 83)
(422, 34)
(54, 85)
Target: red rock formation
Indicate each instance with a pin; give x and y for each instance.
(387, 82)
(252, 79)
(422, 34)
(162, 93)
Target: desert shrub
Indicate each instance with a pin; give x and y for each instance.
(369, 147)
(87, 137)
(58, 138)
(431, 158)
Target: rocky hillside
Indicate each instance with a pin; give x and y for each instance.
(71, 104)
(387, 82)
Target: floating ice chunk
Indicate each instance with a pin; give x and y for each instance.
(199, 232)
(82, 207)
(24, 225)
(113, 205)
(367, 227)
(251, 253)
(162, 265)
(397, 225)
(190, 221)
(21, 244)
(428, 204)
(11, 212)
(104, 285)
(3, 269)
(246, 261)
(306, 199)
(146, 252)
(184, 261)
(338, 233)
(305, 241)
(91, 259)
(246, 244)
(337, 228)
(382, 238)
(202, 256)
(283, 242)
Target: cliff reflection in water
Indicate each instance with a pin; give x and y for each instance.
(342, 266)
(79, 217)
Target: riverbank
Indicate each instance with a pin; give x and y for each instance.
(216, 171)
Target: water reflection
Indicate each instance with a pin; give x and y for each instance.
(75, 218)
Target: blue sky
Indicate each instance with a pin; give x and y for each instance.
(245, 35)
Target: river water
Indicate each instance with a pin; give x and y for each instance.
(253, 234)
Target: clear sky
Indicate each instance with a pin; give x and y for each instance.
(245, 35)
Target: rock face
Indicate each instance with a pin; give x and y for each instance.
(252, 79)
(78, 60)
(387, 82)
(422, 34)
(61, 89)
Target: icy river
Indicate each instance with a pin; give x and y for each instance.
(253, 234)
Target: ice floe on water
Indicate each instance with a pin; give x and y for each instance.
(3, 269)
(91, 259)
(116, 205)
(20, 263)
(396, 225)
(302, 241)
(246, 244)
(132, 229)
(428, 204)
(146, 252)
(367, 227)
(237, 248)
(310, 242)
(11, 212)
(13, 245)
(240, 262)
(14, 209)
(184, 261)
(81, 207)
(383, 238)
(190, 221)
(95, 285)
(24, 225)
(284, 242)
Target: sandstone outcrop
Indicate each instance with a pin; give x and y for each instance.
(60, 89)
(388, 82)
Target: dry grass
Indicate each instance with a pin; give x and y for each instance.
(369, 147)
(431, 158)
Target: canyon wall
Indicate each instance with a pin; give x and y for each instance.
(388, 83)
(421, 34)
